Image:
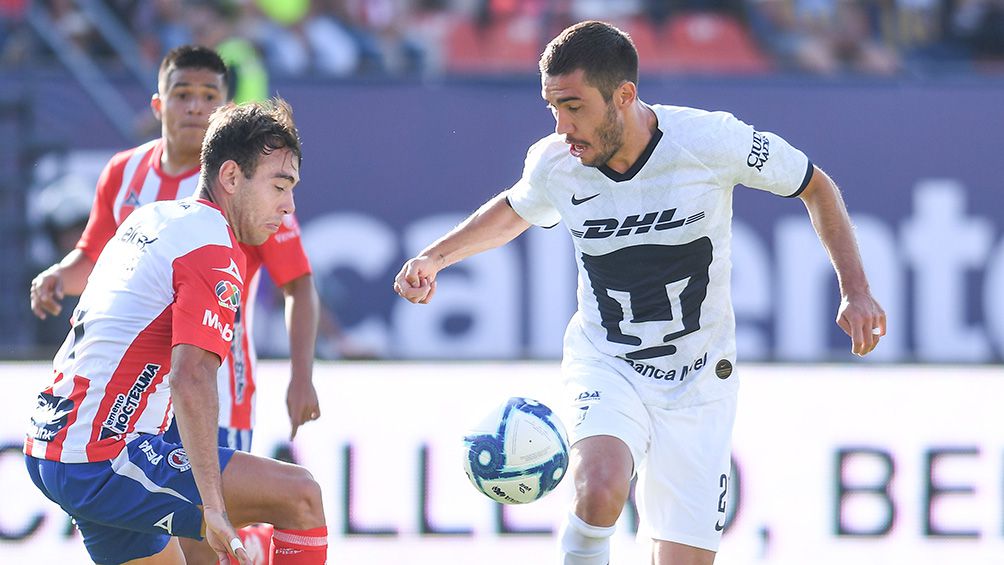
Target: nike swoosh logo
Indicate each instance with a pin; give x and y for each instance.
(576, 201)
(719, 527)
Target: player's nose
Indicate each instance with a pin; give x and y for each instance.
(562, 124)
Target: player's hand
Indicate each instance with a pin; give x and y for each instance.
(222, 537)
(302, 404)
(46, 292)
(861, 317)
(416, 282)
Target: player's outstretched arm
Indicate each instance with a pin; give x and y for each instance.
(860, 315)
(302, 315)
(69, 276)
(491, 226)
(196, 406)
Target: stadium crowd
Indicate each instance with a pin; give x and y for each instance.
(347, 38)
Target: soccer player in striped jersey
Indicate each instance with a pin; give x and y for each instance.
(192, 82)
(645, 192)
(147, 339)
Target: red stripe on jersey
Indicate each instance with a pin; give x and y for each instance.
(54, 449)
(168, 189)
(101, 224)
(167, 417)
(242, 392)
(142, 368)
(136, 185)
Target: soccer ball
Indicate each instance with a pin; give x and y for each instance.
(518, 453)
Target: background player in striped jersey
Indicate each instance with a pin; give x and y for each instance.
(149, 334)
(649, 355)
(192, 82)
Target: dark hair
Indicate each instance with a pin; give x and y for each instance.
(190, 57)
(242, 133)
(605, 53)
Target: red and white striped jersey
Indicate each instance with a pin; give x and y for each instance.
(133, 178)
(172, 273)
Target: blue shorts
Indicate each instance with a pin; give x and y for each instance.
(234, 438)
(130, 506)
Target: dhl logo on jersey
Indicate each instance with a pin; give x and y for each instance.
(228, 294)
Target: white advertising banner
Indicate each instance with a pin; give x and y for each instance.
(857, 464)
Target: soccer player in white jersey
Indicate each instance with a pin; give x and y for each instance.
(645, 191)
(147, 339)
(192, 82)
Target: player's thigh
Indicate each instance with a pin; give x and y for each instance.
(258, 489)
(170, 555)
(602, 403)
(128, 507)
(683, 485)
(670, 553)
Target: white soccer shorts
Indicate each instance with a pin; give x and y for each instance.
(681, 455)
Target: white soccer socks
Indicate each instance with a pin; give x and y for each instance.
(582, 544)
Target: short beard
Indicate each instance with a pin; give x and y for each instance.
(610, 138)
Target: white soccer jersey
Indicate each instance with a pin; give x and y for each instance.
(172, 274)
(653, 244)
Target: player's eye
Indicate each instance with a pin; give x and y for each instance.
(280, 188)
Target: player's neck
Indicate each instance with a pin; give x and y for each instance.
(639, 126)
(174, 162)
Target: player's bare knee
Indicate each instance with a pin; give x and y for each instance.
(304, 497)
(598, 502)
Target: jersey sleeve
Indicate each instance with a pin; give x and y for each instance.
(283, 255)
(528, 197)
(101, 224)
(208, 283)
(758, 159)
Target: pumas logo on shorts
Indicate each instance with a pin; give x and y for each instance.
(179, 460)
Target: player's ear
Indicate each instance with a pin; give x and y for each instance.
(156, 105)
(228, 176)
(626, 93)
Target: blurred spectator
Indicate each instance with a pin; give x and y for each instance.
(822, 36)
(305, 36)
(16, 43)
(382, 31)
(344, 38)
(59, 213)
(72, 24)
(227, 28)
(979, 24)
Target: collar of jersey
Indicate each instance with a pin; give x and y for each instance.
(642, 159)
(158, 152)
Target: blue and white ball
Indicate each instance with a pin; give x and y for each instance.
(518, 453)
